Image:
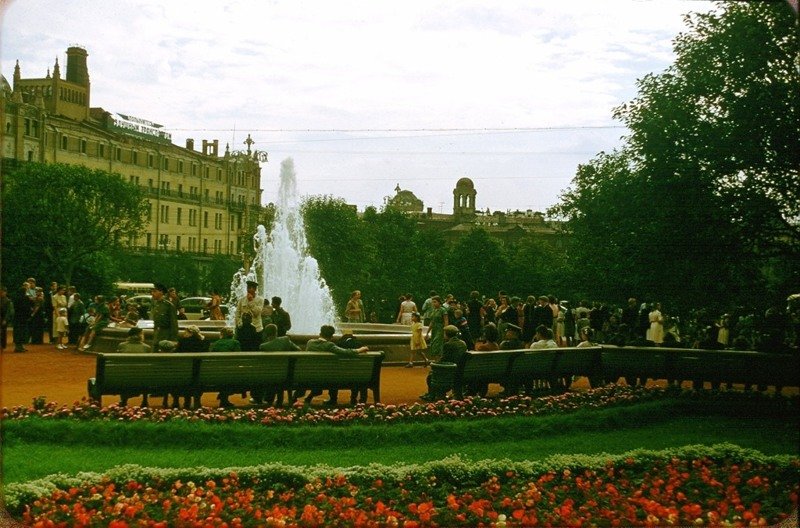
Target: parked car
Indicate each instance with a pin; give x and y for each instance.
(144, 302)
(197, 307)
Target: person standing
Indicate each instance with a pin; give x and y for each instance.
(418, 343)
(475, 312)
(656, 325)
(165, 317)
(280, 317)
(439, 319)
(407, 307)
(59, 301)
(6, 314)
(355, 308)
(427, 306)
(23, 305)
(215, 307)
(75, 313)
(251, 303)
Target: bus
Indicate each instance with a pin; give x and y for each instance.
(133, 288)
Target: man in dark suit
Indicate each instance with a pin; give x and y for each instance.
(542, 313)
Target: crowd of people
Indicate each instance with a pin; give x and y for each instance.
(546, 321)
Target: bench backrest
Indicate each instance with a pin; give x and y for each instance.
(144, 371)
(486, 366)
(247, 369)
(313, 369)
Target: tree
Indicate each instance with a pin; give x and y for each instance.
(705, 189)
(728, 112)
(59, 218)
(336, 239)
(477, 262)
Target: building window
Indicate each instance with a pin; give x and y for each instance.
(178, 242)
(27, 127)
(180, 166)
(150, 160)
(131, 178)
(150, 184)
(219, 174)
(83, 146)
(178, 217)
(205, 174)
(64, 142)
(30, 155)
(205, 219)
(205, 245)
(118, 154)
(149, 239)
(180, 189)
(165, 164)
(134, 157)
(101, 150)
(194, 169)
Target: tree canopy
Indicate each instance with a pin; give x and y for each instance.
(704, 191)
(58, 218)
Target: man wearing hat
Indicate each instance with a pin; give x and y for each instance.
(453, 351)
(165, 317)
(251, 303)
(134, 344)
(511, 340)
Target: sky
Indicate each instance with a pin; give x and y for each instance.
(367, 95)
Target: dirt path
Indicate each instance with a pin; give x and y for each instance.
(61, 375)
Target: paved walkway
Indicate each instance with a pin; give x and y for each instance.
(60, 376)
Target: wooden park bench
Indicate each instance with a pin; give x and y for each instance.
(196, 373)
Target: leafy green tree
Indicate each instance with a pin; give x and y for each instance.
(477, 262)
(336, 239)
(705, 189)
(61, 218)
(728, 112)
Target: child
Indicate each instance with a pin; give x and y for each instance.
(417, 341)
(62, 326)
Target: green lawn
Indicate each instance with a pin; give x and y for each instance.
(36, 448)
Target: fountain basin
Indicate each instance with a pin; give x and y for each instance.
(393, 339)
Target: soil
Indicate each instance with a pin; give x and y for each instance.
(61, 376)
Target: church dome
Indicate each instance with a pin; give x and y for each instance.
(405, 201)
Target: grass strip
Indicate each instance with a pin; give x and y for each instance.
(514, 439)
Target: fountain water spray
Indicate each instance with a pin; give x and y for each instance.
(282, 266)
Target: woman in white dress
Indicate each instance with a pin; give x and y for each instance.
(407, 307)
(656, 325)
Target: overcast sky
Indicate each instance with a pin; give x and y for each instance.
(365, 95)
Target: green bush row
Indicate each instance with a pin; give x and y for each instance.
(232, 435)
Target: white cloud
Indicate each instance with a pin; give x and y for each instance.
(203, 67)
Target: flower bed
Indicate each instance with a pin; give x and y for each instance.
(718, 486)
(468, 408)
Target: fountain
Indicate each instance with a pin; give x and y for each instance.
(282, 266)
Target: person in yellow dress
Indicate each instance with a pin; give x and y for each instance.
(418, 344)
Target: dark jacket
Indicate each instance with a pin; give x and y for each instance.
(279, 344)
(453, 351)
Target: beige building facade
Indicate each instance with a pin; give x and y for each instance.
(201, 200)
